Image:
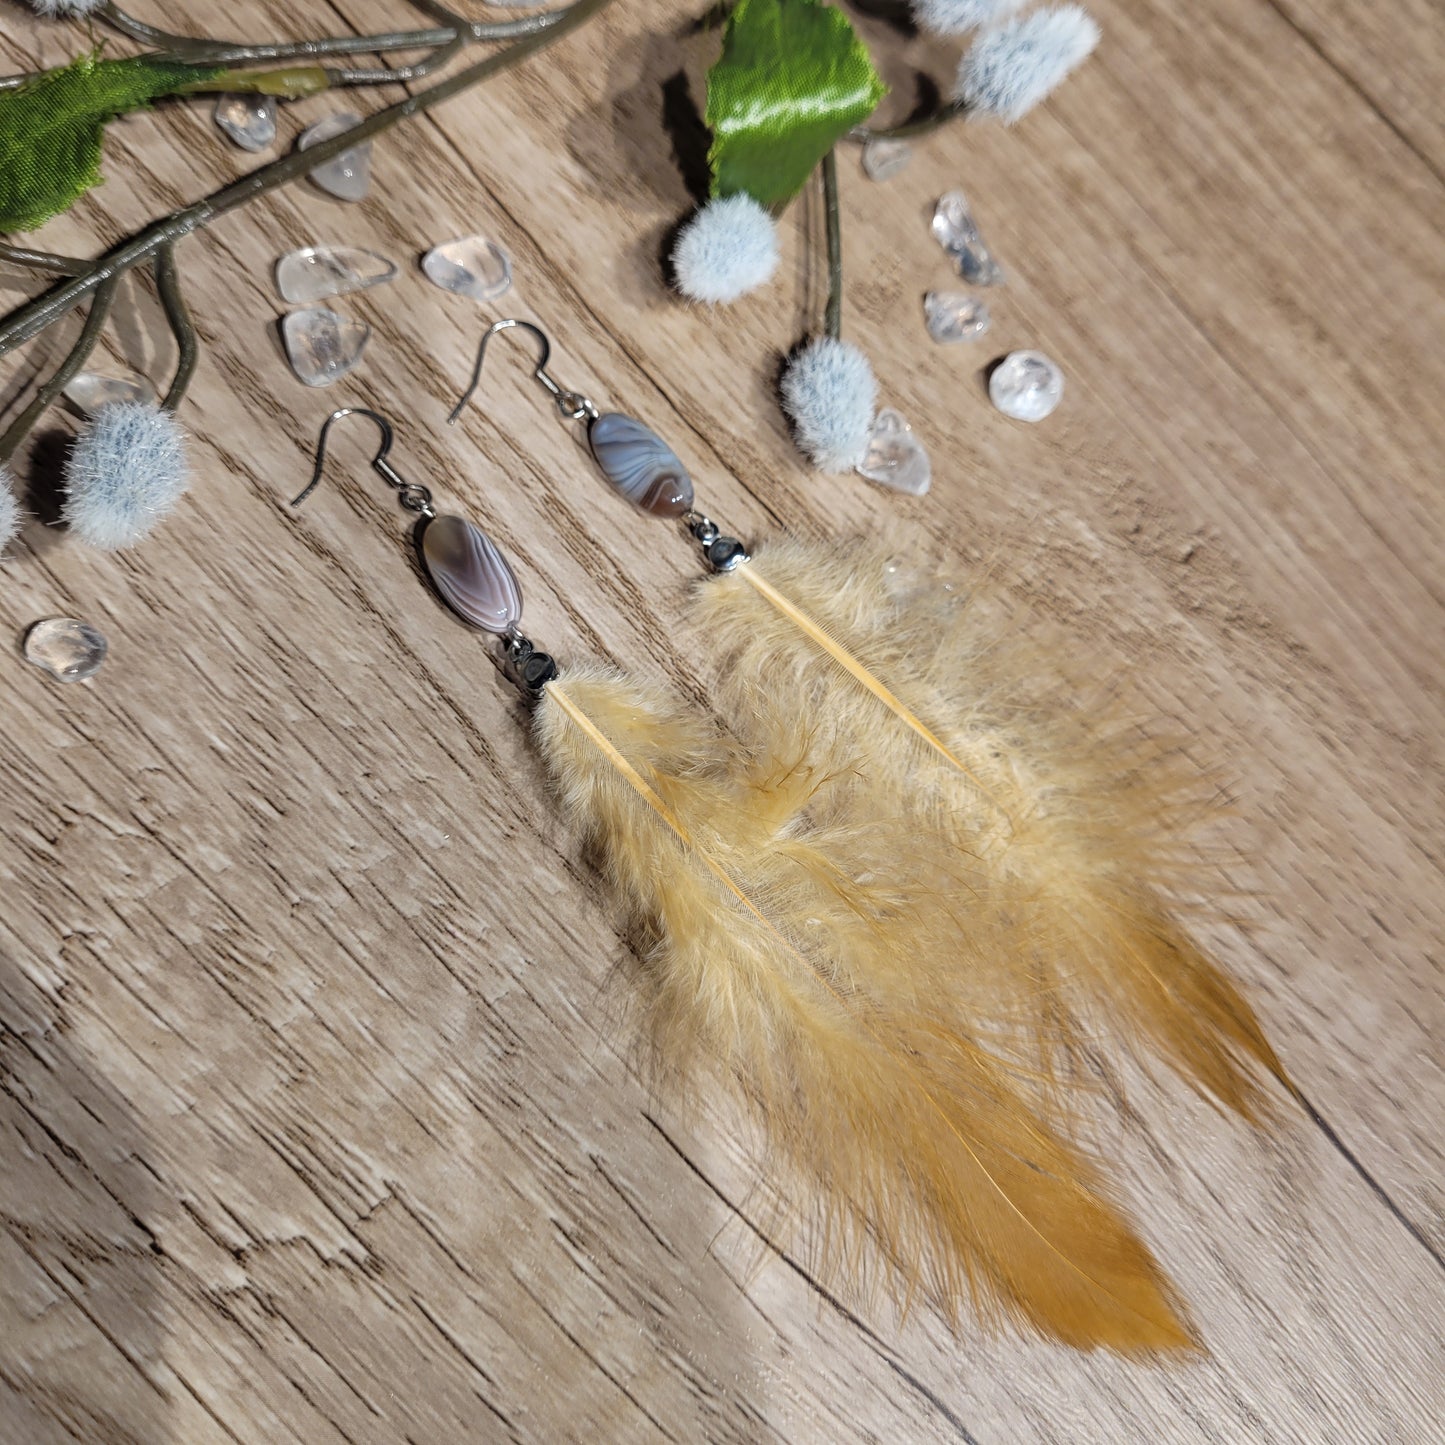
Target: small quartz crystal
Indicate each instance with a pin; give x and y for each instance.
(315, 272)
(955, 229)
(883, 159)
(895, 457)
(347, 176)
(1026, 385)
(88, 391)
(323, 345)
(471, 266)
(67, 648)
(953, 316)
(249, 120)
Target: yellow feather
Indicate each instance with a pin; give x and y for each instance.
(855, 669)
(792, 951)
(1072, 822)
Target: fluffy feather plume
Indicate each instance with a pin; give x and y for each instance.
(789, 949)
(1075, 824)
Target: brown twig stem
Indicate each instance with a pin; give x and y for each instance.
(79, 354)
(833, 317)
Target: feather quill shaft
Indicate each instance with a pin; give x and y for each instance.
(640, 786)
(855, 669)
(768, 911)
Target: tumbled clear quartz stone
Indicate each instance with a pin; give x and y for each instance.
(883, 159)
(347, 176)
(67, 648)
(895, 457)
(249, 120)
(953, 316)
(957, 232)
(1026, 385)
(315, 272)
(89, 391)
(323, 345)
(470, 266)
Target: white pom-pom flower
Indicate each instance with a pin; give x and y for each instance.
(10, 513)
(127, 470)
(1010, 70)
(728, 249)
(953, 17)
(52, 8)
(829, 392)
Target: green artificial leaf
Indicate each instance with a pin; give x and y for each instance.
(51, 128)
(792, 78)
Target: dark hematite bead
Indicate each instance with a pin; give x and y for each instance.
(725, 553)
(471, 574)
(640, 465)
(537, 671)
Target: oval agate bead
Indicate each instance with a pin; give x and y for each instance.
(640, 465)
(471, 574)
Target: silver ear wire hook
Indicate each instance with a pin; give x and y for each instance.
(413, 497)
(467, 571)
(572, 404)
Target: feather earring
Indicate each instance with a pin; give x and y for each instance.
(1070, 827)
(791, 952)
(1079, 824)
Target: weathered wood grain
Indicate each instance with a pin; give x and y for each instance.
(321, 1119)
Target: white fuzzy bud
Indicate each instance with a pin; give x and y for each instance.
(10, 514)
(953, 17)
(728, 249)
(829, 392)
(126, 471)
(1010, 70)
(53, 9)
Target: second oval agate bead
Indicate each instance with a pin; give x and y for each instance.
(640, 465)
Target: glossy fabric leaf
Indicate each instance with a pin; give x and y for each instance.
(792, 78)
(51, 129)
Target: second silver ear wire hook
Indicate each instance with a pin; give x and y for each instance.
(572, 404)
(411, 495)
(635, 461)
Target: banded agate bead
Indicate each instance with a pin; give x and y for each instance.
(471, 575)
(640, 465)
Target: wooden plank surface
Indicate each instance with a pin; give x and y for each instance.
(321, 1113)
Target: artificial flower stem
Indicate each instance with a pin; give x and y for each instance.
(33, 317)
(128, 25)
(237, 52)
(924, 125)
(443, 44)
(833, 317)
(289, 84)
(439, 11)
(33, 260)
(228, 53)
(178, 315)
(79, 354)
(439, 57)
(336, 76)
